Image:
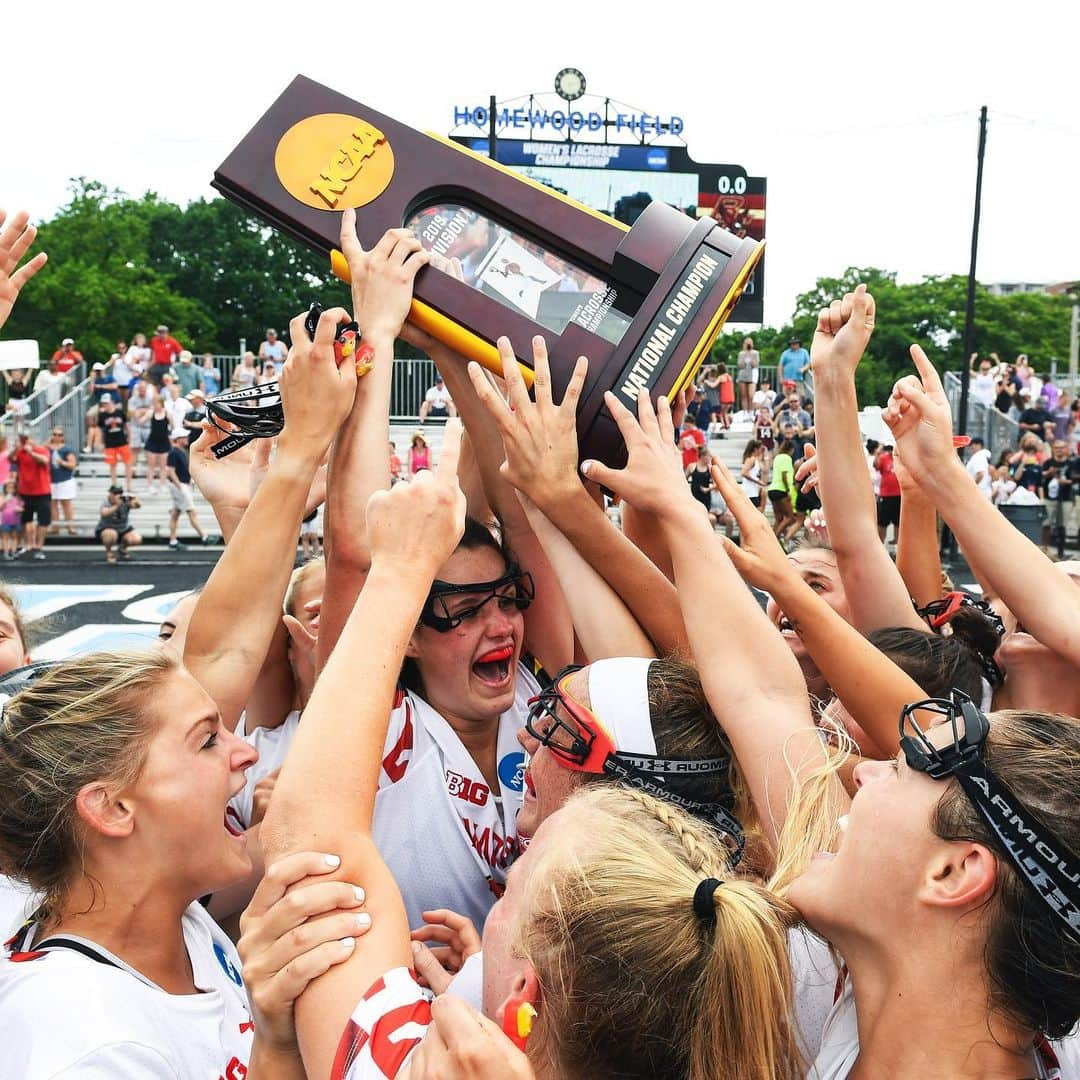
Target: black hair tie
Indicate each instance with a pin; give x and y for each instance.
(704, 906)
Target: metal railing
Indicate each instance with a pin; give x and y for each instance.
(410, 381)
(36, 403)
(69, 413)
(997, 430)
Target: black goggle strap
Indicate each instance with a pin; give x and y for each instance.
(1051, 871)
(675, 767)
(713, 813)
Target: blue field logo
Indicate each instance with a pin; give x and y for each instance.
(512, 771)
(227, 965)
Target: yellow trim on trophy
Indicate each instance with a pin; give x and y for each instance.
(731, 298)
(528, 180)
(450, 333)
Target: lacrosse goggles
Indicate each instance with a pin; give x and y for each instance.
(1049, 869)
(595, 746)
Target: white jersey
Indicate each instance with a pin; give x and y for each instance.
(387, 1024)
(66, 1015)
(273, 744)
(840, 1046)
(446, 837)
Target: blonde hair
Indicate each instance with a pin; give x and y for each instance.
(635, 982)
(297, 579)
(8, 597)
(80, 722)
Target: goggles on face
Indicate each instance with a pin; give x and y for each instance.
(449, 605)
(1041, 859)
(588, 747)
(939, 613)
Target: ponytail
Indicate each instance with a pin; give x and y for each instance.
(639, 981)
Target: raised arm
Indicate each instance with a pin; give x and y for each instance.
(239, 610)
(1046, 605)
(15, 241)
(875, 590)
(540, 444)
(764, 708)
(337, 752)
(918, 554)
(869, 685)
(602, 622)
(549, 631)
(382, 281)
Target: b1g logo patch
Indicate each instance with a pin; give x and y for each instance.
(512, 771)
(227, 965)
(470, 791)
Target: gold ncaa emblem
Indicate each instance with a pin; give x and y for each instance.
(333, 161)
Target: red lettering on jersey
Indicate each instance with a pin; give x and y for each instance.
(395, 763)
(496, 850)
(352, 1042)
(388, 1049)
(496, 888)
(246, 1027)
(22, 957)
(470, 791)
(235, 1070)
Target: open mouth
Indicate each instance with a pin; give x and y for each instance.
(232, 823)
(493, 668)
(786, 626)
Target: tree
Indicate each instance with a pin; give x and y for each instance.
(245, 274)
(99, 285)
(930, 313)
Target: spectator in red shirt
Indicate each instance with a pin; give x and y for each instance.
(888, 504)
(164, 349)
(67, 356)
(690, 439)
(35, 490)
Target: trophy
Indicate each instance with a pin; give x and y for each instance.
(643, 303)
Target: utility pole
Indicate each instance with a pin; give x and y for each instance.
(969, 311)
(493, 139)
(948, 541)
(1074, 346)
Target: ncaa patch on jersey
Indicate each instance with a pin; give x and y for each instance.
(512, 771)
(227, 965)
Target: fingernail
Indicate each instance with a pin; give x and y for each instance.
(359, 893)
(363, 920)
(538, 340)
(332, 860)
(348, 943)
(416, 947)
(586, 466)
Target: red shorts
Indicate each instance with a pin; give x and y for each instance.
(113, 454)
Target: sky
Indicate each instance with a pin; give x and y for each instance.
(864, 118)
